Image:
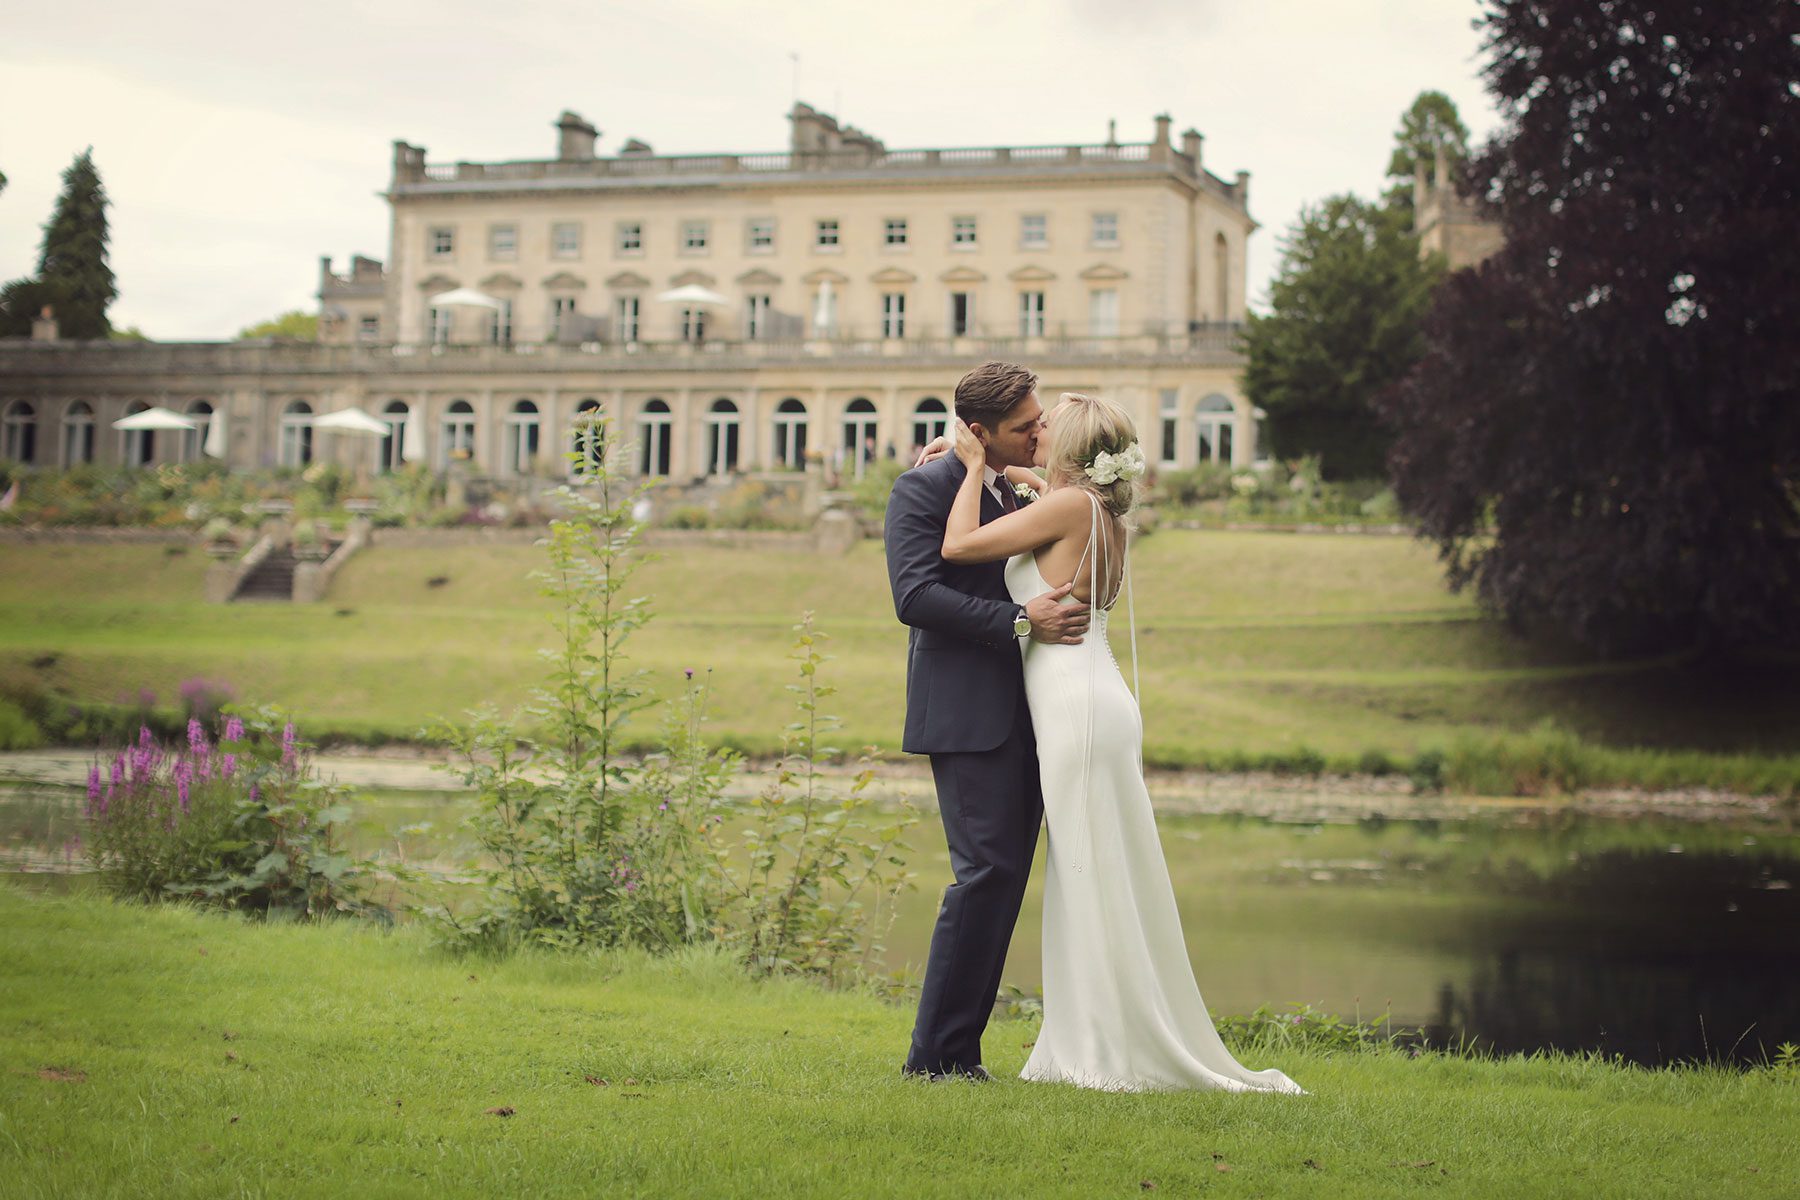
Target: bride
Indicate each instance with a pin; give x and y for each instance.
(1122, 1011)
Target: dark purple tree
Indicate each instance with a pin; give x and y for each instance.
(1603, 436)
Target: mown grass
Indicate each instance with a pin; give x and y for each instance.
(171, 1053)
(1298, 652)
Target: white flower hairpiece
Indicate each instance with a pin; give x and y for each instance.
(1126, 464)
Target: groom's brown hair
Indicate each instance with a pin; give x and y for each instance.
(986, 394)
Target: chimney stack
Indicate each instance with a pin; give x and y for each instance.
(575, 138)
(1191, 142)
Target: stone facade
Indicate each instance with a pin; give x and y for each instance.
(1448, 223)
(854, 285)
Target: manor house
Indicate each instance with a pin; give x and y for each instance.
(729, 312)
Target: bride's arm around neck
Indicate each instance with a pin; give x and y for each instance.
(1056, 515)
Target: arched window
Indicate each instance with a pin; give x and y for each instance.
(458, 440)
(137, 446)
(722, 437)
(522, 437)
(587, 438)
(296, 434)
(18, 433)
(859, 436)
(930, 419)
(392, 456)
(653, 439)
(790, 433)
(193, 441)
(78, 434)
(1215, 421)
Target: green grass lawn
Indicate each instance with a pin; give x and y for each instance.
(171, 1053)
(1252, 644)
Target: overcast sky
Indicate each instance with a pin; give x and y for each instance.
(238, 143)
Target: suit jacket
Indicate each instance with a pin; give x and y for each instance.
(964, 674)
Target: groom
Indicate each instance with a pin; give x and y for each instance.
(965, 707)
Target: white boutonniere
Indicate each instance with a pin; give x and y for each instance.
(1025, 492)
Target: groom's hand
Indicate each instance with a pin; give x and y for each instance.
(1054, 623)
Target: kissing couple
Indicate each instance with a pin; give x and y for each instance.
(1013, 691)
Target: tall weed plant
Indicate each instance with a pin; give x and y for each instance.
(584, 844)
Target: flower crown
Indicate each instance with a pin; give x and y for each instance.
(1126, 464)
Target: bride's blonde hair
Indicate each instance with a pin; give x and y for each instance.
(1091, 425)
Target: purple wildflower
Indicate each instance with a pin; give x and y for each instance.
(234, 729)
(196, 735)
(689, 672)
(255, 792)
(663, 806)
(118, 770)
(181, 789)
(227, 765)
(145, 741)
(93, 783)
(287, 745)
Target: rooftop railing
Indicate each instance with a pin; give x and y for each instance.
(1079, 156)
(1215, 344)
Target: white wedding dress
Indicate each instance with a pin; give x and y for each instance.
(1122, 1011)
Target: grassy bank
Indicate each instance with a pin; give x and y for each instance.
(169, 1053)
(1296, 652)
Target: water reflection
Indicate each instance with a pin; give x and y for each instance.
(1655, 939)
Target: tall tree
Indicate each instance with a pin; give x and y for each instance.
(1430, 125)
(73, 261)
(1343, 324)
(1619, 387)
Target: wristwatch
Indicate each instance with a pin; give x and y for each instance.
(1021, 625)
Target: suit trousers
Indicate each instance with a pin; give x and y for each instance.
(992, 805)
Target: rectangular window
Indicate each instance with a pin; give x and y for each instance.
(893, 314)
(1106, 229)
(1031, 314)
(561, 309)
(565, 239)
(962, 231)
(500, 328)
(631, 237)
(693, 324)
(1169, 396)
(893, 231)
(1034, 230)
(693, 237)
(759, 236)
(503, 243)
(437, 324)
(442, 241)
(756, 317)
(962, 314)
(628, 318)
(825, 235)
(370, 329)
(1103, 312)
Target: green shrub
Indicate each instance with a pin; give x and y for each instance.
(17, 730)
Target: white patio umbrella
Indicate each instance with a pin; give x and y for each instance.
(352, 420)
(215, 434)
(156, 418)
(694, 296)
(463, 297)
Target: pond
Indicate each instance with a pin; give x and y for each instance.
(1656, 939)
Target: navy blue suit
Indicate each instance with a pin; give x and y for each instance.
(965, 707)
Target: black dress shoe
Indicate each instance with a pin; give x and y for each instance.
(974, 1074)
